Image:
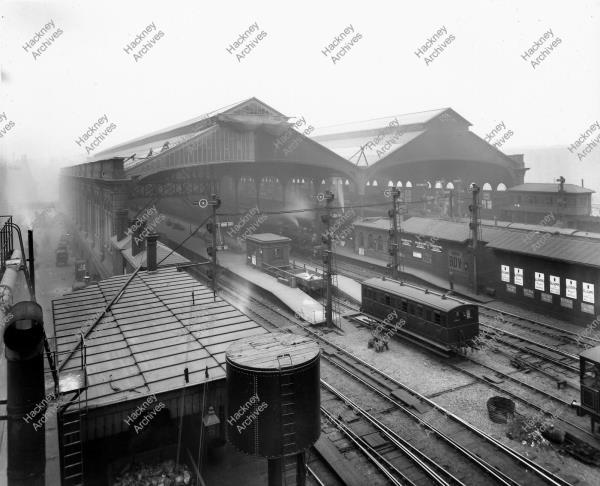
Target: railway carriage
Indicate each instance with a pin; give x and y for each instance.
(429, 318)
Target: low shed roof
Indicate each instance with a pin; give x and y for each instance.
(164, 322)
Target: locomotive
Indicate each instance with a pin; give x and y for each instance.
(429, 319)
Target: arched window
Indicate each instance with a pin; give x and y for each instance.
(501, 187)
(399, 184)
(390, 184)
(438, 185)
(449, 185)
(409, 184)
(370, 242)
(380, 243)
(487, 186)
(375, 183)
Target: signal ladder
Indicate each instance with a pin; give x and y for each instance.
(288, 424)
(71, 390)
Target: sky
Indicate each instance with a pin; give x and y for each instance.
(85, 73)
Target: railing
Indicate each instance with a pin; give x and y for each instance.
(6, 240)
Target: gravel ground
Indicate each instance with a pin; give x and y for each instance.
(403, 361)
(429, 375)
(471, 406)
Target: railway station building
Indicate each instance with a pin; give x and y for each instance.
(552, 270)
(258, 159)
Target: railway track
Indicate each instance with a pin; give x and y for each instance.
(396, 458)
(521, 466)
(565, 336)
(483, 377)
(551, 362)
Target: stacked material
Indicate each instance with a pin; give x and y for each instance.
(161, 474)
(528, 431)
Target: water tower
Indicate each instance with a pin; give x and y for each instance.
(273, 384)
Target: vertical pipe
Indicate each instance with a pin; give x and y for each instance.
(151, 250)
(475, 233)
(31, 261)
(301, 469)
(26, 404)
(214, 247)
(275, 467)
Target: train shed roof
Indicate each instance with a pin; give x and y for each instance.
(164, 322)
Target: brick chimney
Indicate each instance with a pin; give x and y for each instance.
(138, 243)
(151, 256)
(121, 223)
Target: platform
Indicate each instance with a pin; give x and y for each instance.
(420, 276)
(346, 285)
(302, 304)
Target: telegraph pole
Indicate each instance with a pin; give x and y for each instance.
(211, 227)
(474, 226)
(562, 200)
(394, 244)
(327, 239)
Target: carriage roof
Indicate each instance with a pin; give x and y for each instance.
(414, 294)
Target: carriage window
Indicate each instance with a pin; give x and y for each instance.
(388, 300)
(468, 313)
(411, 309)
(428, 314)
(404, 306)
(436, 317)
(419, 311)
(443, 319)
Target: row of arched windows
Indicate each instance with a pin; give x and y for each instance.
(438, 185)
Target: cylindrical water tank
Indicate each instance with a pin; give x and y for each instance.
(273, 383)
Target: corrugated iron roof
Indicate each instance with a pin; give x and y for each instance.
(368, 149)
(150, 335)
(379, 123)
(367, 142)
(549, 187)
(556, 247)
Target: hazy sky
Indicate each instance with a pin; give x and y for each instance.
(85, 73)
